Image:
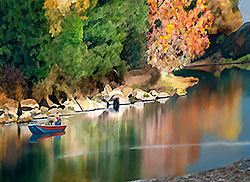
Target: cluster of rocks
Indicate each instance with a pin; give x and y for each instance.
(139, 85)
(238, 171)
(28, 109)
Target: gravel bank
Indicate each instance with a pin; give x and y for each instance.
(238, 171)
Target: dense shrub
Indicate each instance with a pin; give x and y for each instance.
(116, 31)
(12, 82)
(64, 86)
(24, 36)
(3, 99)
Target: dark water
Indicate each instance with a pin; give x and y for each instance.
(208, 128)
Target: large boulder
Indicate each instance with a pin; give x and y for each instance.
(127, 91)
(25, 114)
(227, 17)
(142, 95)
(1, 113)
(163, 95)
(124, 100)
(72, 104)
(85, 103)
(141, 77)
(44, 109)
(237, 44)
(116, 94)
(98, 105)
(11, 107)
(107, 89)
(31, 103)
(154, 93)
(223, 48)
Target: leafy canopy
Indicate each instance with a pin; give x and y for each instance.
(178, 32)
(95, 46)
(56, 10)
(24, 36)
(122, 26)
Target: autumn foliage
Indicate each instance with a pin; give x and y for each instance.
(3, 99)
(12, 83)
(56, 10)
(178, 32)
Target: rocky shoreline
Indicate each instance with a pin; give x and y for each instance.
(238, 171)
(130, 92)
(30, 109)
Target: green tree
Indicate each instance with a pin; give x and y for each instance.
(121, 25)
(24, 36)
(68, 50)
(113, 35)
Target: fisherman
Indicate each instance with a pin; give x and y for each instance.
(57, 119)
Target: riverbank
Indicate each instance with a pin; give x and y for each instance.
(142, 85)
(237, 171)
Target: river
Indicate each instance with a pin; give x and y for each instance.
(208, 128)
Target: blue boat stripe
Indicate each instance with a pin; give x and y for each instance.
(39, 129)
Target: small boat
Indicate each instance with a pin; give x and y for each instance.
(35, 138)
(46, 129)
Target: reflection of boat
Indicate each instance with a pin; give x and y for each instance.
(46, 129)
(36, 138)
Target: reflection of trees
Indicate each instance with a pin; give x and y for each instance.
(204, 112)
(18, 160)
(11, 145)
(212, 108)
(98, 146)
(183, 121)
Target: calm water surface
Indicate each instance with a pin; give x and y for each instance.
(208, 128)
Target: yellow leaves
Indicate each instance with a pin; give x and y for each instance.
(56, 10)
(84, 17)
(208, 44)
(50, 4)
(86, 4)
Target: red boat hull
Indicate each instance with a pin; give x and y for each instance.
(46, 129)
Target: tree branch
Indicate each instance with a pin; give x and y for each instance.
(160, 4)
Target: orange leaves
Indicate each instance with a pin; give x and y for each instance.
(56, 10)
(182, 34)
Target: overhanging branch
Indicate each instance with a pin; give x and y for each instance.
(158, 6)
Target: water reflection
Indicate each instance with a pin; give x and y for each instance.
(11, 142)
(216, 113)
(36, 138)
(140, 141)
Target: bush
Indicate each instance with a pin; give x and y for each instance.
(12, 82)
(64, 86)
(3, 99)
(24, 36)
